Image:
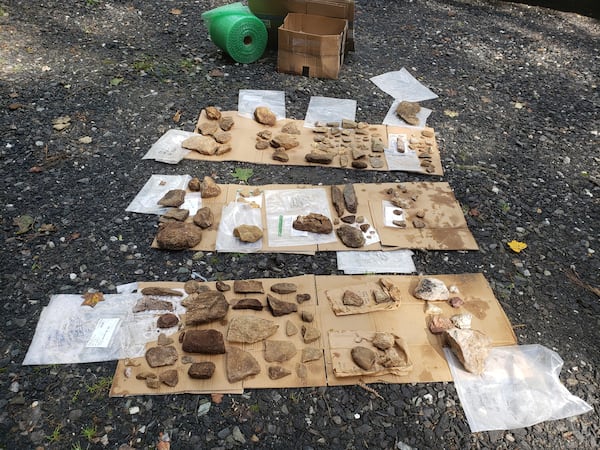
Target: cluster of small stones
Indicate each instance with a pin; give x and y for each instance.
(214, 134)
(400, 197)
(423, 145)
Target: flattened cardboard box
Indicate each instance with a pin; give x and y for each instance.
(445, 225)
(408, 321)
(244, 137)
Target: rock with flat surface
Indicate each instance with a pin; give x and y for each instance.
(280, 307)
(205, 145)
(248, 233)
(351, 298)
(310, 334)
(201, 370)
(167, 321)
(285, 141)
(240, 364)
(284, 288)
(169, 377)
(147, 303)
(301, 298)
(350, 199)
(175, 214)
(226, 123)
(265, 116)
(209, 188)
(351, 236)
(279, 351)
(178, 236)
(222, 286)
(438, 324)
(212, 113)
(408, 111)
(383, 341)
(338, 200)
(250, 329)
(248, 287)
(205, 307)
(290, 328)
(161, 356)
(248, 303)
(363, 357)
(161, 291)
(319, 157)
(277, 372)
(290, 128)
(204, 217)
(314, 223)
(208, 342)
(471, 347)
(431, 289)
(173, 198)
(311, 354)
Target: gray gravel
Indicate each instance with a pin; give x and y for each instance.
(521, 155)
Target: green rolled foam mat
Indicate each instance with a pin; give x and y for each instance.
(236, 31)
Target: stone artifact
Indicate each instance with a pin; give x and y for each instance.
(379, 296)
(432, 309)
(301, 298)
(358, 153)
(250, 329)
(418, 223)
(194, 185)
(347, 123)
(248, 287)
(209, 342)
(290, 128)
(240, 364)
(390, 287)
(173, 198)
(351, 236)
(284, 288)
(163, 339)
(205, 145)
(204, 217)
(178, 236)
(311, 354)
(279, 351)
(248, 233)
(280, 307)
(462, 321)
(187, 359)
(313, 222)
(456, 302)
(471, 347)
(301, 371)
(201, 370)
(363, 357)
(261, 144)
(161, 291)
(359, 164)
(408, 111)
(161, 356)
(350, 199)
(226, 123)
(208, 128)
(337, 199)
(169, 377)
(277, 372)
(248, 303)
(391, 358)
(431, 289)
(351, 298)
(222, 137)
(222, 149)
(376, 162)
(383, 341)
(212, 113)
(222, 286)
(205, 307)
(438, 324)
(265, 116)
(209, 188)
(145, 375)
(348, 219)
(152, 304)
(290, 328)
(175, 214)
(427, 133)
(377, 145)
(167, 321)
(192, 286)
(364, 227)
(152, 383)
(310, 334)
(281, 156)
(307, 316)
(286, 141)
(265, 135)
(319, 157)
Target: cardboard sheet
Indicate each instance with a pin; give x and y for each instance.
(408, 322)
(445, 227)
(244, 137)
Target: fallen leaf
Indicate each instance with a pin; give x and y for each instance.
(450, 113)
(175, 11)
(15, 106)
(216, 398)
(216, 73)
(177, 116)
(85, 140)
(116, 81)
(25, 223)
(92, 298)
(242, 174)
(47, 227)
(519, 105)
(36, 169)
(60, 123)
(517, 246)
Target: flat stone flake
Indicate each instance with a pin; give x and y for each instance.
(284, 288)
(350, 199)
(279, 351)
(208, 342)
(337, 199)
(431, 289)
(248, 287)
(201, 370)
(310, 334)
(161, 356)
(280, 307)
(250, 329)
(311, 354)
(205, 307)
(277, 372)
(240, 365)
(169, 377)
(173, 198)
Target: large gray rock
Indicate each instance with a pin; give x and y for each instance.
(204, 307)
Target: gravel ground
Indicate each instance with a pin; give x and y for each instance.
(521, 153)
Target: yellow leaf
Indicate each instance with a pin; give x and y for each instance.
(177, 116)
(517, 246)
(518, 105)
(92, 298)
(450, 113)
(175, 11)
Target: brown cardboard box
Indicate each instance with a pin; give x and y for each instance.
(272, 13)
(311, 45)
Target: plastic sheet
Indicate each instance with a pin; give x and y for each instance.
(391, 118)
(394, 261)
(328, 109)
(233, 215)
(250, 99)
(402, 85)
(519, 388)
(238, 32)
(145, 201)
(168, 147)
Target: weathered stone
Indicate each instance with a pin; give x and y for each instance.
(248, 303)
(314, 223)
(250, 329)
(363, 357)
(222, 149)
(146, 375)
(286, 141)
(204, 217)
(301, 298)
(284, 288)
(167, 321)
(280, 307)
(377, 145)
(350, 199)
(152, 383)
(261, 144)
(431, 289)
(248, 233)
(194, 185)
(399, 223)
(344, 160)
(265, 116)
(222, 137)
(471, 347)
(337, 199)
(358, 153)
(178, 236)
(438, 324)
(376, 162)
(277, 372)
(152, 304)
(347, 123)
(161, 291)
(265, 135)
(208, 128)
(212, 113)
(209, 188)
(307, 316)
(226, 123)
(169, 377)
(420, 213)
(161, 356)
(383, 341)
(311, 354)
(462, 321)
(351, 236)
(176, 214)
(202, 370)
(427, 133)
(319, 157)
(208, 342)
(432, 309)
(173, 198)
(187, 359)
(281, 156)
(391, 358)
(240, 364)
(408, 111)
(348, 219)
(290, 128)
(222, 286)
(192, 286)
(205, 145)
(391, 288)
(164, 340)
(418, 223)
(279, 351)
(204, 307)
(351, 298)
(456, 302)
(380, 296)
(359, 164)
(290, 328)
(310, 334)
(248, 287)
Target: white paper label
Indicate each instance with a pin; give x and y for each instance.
(103, 333)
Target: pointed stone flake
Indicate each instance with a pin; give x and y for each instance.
(240, 365)
(250, 329)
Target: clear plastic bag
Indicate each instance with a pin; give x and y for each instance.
(235, 214)
(328, 109)
(145, 201)
(250, 99)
